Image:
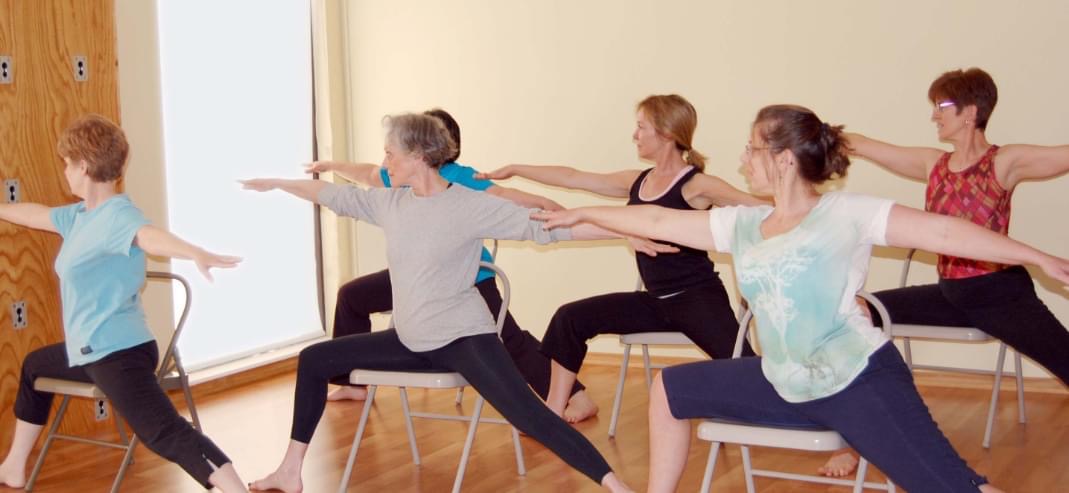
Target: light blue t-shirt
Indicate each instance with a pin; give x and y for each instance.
(801, 286)
(101, 272)
(461, 175)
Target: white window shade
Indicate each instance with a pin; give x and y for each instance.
(236, 83)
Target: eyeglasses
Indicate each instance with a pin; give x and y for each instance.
(750, 148)
(944, 104)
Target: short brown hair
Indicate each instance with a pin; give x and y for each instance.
(421, 134)
(964, 88)
(675, 118)
(97, 141)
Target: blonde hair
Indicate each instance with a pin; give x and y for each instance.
(97, 141)
(675, 118)
(421, 134)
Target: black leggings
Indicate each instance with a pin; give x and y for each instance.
(362, 296)
(481, 359)
(701, 312)
(1003, 304)
(128, 379)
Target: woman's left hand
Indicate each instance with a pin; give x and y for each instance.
(259, 184)
(565, 218)
(206, 261)
(1058, 268)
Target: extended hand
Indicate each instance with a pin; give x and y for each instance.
(1058, 268)
(497, 174)
(206, 261)
(319, 167)
(651, 248)
(259, 184)
(558, 219)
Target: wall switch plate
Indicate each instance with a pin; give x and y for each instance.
(12, 191)
(100, 409)
(81, 68)
(18, 315)
(7, 70)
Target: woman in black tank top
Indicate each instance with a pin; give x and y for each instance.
(684, 292)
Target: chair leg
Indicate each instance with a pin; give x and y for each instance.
(646, 366)
(619, 391)
(344, 486)
(862, 471)
(476, 415)
(408, 426)
(127, 459)
(994, 395)
(908, 353)
(710, 465)
(460, 396)
(189, 404)
(51, 437)
(521, 465)
(747, 469)
(1020, 387)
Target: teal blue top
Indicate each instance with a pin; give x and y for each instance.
(462, 175)
(801, 286)
(101, 272)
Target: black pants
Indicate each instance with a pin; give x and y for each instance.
(362, 296)
(1003, 304)
(701, 312)
(481, 359)
(128, 379)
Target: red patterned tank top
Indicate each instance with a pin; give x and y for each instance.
(975, 195)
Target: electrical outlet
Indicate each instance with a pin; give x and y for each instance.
(12, 192)
(100, 409)
(7, 70)
(81, 68)
(18, 315)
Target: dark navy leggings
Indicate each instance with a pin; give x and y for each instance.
(880, 414)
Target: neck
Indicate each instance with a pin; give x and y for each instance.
(794, 198)
(427, 183)
(98, 193)
(669, 161)
(972, 146)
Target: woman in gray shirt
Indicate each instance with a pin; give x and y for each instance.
(434, 234)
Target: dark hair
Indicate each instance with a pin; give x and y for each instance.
(820, 148)
(967, 87)
(675, 118)
(451, 125)
(99, 142)
(421, 134)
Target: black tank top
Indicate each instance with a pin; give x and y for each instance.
(669, 273)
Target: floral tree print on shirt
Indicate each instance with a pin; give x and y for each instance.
(772, 270)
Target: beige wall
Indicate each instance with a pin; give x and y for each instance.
(556, 82)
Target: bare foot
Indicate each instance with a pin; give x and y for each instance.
(348, 393)
(14, 477)
(580, 408)
(280, 481)
(987, 488)
(613, 483)
(841, 464)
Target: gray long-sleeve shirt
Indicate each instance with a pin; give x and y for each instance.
(432, 248)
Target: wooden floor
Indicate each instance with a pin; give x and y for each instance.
(251, 423)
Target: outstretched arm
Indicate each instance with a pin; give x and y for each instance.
(704, 191)
(616, 184)
(159, 242)
(689, 228)
(305, 189)
(521, 198)
(30, 215)
(363, 173)
(912, 228)
(1031, 162)
(910, 162)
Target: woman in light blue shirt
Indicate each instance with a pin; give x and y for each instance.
(800, 263)
(101, 268)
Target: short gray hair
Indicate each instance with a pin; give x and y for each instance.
(421, 134)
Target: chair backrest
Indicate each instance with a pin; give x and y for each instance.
(905, 268)
(744, 321)
(170, 361)
(506, 292)
(493, 251)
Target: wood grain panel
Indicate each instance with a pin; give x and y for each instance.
(43, 37)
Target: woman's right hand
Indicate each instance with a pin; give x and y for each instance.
(320, 167)
(565, 218)
(259, 184)
(650, 247)
(1058, 268)
(502, 173)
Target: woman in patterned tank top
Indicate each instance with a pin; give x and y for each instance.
(975, 181)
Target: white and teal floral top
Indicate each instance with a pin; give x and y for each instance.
(801, 286)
